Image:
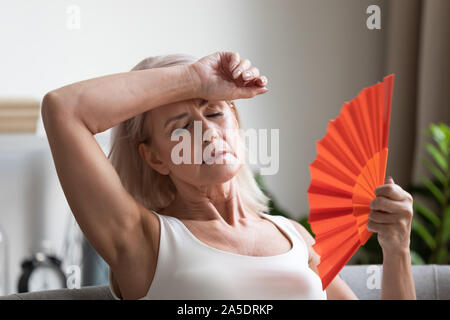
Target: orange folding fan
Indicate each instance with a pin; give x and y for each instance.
(350, 163)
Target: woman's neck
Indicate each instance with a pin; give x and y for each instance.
(221, 203)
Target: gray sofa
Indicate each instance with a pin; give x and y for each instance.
(432, 283)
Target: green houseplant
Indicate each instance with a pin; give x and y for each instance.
(431, 222)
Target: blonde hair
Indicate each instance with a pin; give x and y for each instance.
(153, 190)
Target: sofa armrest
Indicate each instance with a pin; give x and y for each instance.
(431, 282)
(85, 293)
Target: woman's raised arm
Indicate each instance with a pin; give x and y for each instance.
(101, 103)
(108, 215)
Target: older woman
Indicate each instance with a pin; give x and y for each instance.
(192, 230)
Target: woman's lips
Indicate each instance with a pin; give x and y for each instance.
(215, 155)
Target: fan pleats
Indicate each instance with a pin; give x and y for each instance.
(350, 163)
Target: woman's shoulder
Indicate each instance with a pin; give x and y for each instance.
(308, 239)
(302, 231)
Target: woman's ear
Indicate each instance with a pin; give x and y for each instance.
(151, 158)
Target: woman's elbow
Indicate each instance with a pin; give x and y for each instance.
(50, 104)
(48, 100)
(53, 107)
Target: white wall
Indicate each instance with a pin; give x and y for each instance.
(316, 55)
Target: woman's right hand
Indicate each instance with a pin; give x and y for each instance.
(222, 76)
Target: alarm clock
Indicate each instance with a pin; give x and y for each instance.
(41, 272)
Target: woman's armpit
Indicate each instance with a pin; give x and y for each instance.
(114, 286)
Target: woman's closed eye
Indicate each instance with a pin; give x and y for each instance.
(213, 115)
(186, 126)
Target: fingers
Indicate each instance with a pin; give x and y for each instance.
(245, 69)
(388, 205)
(392, 191)
(250, 74)
(243, 65)
(389, 231)
(252, 77)
(262, 81)
(261, 90)
(234, 60)
(389, 216)
(383, 217)
(247, 75)
(247, 92)
(376, 227)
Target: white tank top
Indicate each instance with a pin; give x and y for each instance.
(189, 269)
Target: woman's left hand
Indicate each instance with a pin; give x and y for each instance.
(390, 217)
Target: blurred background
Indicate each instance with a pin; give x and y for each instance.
(317, 54)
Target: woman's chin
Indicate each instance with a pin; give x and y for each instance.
(219, 173)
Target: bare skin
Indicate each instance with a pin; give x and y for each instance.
(125, 233)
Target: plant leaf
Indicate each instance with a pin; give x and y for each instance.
(416, 259)
(439, 135)
(442, 256)
(437, 156)
(446, 130)
(427, 213)
(434, 190)
(446, 219)
(435, 171)
(423, 233)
